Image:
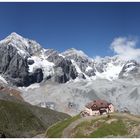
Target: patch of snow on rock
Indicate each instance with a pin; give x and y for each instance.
(3, 80)
(88, 68)
(41, 62)
(76, 66)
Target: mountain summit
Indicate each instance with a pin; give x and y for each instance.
(25, 47)
(72, 53)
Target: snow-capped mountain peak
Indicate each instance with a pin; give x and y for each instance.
(50, 64)
(14, 35)
(24, 46)
(74, 53)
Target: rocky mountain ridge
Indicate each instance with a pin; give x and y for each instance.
(24, 62)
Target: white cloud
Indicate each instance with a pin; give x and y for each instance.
(126, 48)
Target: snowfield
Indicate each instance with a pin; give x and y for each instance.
(41, 62)
(110, 73)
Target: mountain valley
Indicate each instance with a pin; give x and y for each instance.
(44, 82)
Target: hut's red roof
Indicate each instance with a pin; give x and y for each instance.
(97, 104)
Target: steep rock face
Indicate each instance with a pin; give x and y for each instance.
(130, 70)
(64, 71)
(53, 56)
(37, 76)
(83, 63)
(14, 65)
(15, 68)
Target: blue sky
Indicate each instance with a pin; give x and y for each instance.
(90, 27)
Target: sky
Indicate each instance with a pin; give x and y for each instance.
(99, 29)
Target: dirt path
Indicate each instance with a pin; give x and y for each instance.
(40, 136)
(67, 131)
